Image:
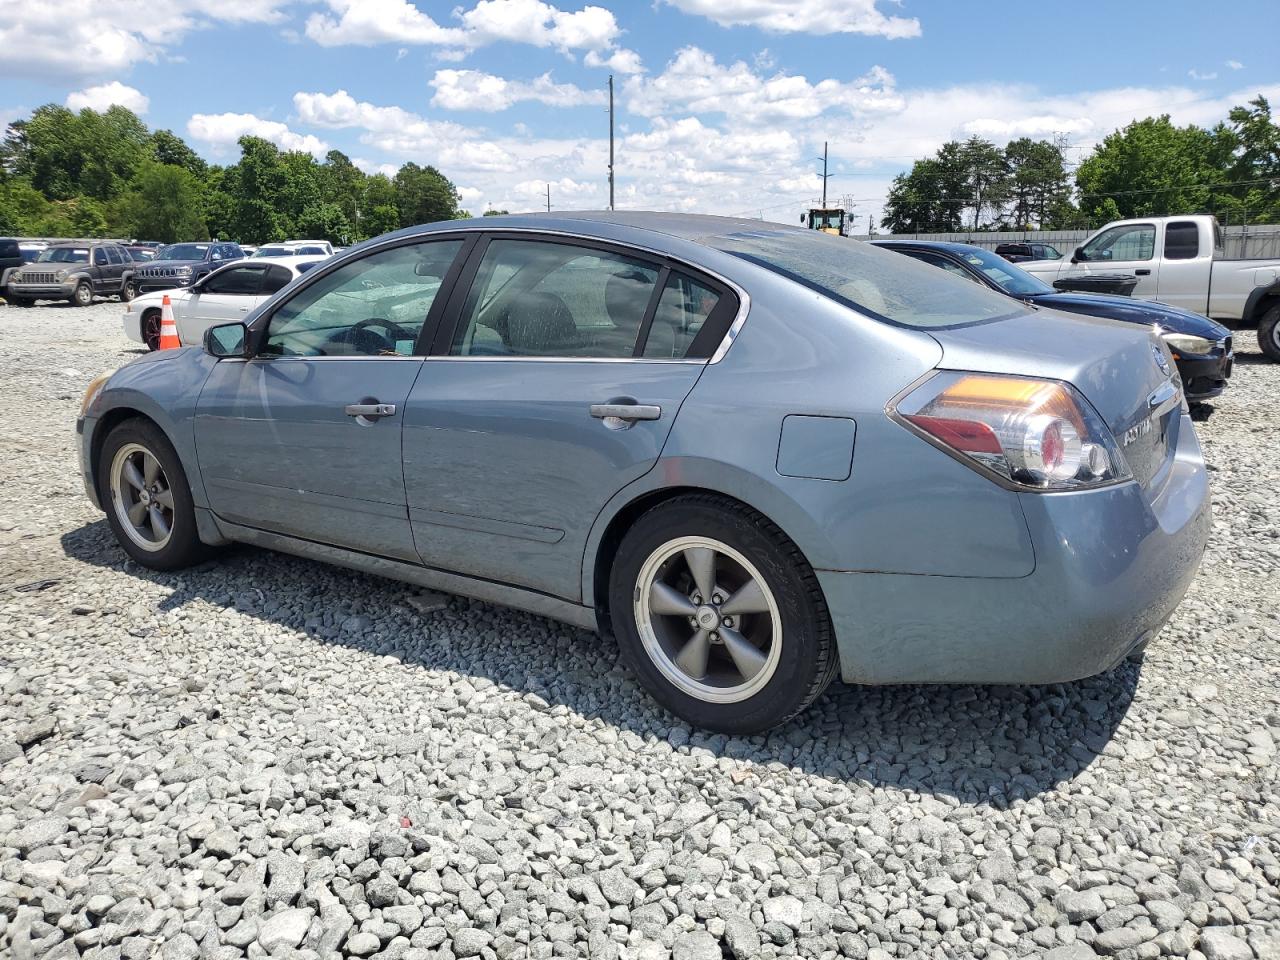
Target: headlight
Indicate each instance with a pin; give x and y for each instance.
(61, 275)
(183, 270)
(92, 391)
(1186, 343)
(1023, 432)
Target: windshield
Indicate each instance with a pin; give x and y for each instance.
(884, 284)
(1009, 278)
(183, 251)
(274, 252)
(64, 255)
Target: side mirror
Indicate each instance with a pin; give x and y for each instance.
(227, 340)
(1078, 256)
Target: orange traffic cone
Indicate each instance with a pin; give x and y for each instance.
(168, 326)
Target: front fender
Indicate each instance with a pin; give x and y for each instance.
(164, 387)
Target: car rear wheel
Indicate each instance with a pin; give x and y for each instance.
(151, 329)
(1269, 333)
(144, 489)
(83, 296)
(720, 615)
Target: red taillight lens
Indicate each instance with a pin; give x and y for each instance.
(1034, 433)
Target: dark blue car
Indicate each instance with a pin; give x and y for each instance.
(1200, 346)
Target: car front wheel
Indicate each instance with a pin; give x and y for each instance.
(720, 615)
(83, 296)
(144, 490)
(128, 291)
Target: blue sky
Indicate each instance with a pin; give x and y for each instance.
(721, 104)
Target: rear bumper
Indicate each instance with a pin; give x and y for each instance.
(1111, 567)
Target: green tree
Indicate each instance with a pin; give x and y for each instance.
(380, 213)
(496, 213)
(986, 178)
(1039, 192)
(424, 195)
(90, 154)
(1152, 168)
(931, 197)
(165, 203)
(1255, 165)
(324, 221)
(168, 147)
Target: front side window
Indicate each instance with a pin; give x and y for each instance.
(1135, 241)
(374, 306)
(541, 299)
(235, 281)
(1181, 241)
(100, 257)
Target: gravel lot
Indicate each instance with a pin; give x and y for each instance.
(269, 756)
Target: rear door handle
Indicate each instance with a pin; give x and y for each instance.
(1143, 272)
(625, 411)
(370, 411)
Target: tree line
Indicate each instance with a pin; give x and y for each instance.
(94, 174)
(1149, 168)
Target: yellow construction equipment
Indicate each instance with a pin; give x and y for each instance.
(828, 220)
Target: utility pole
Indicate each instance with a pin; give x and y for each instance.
(825, 176)
(548, 198)
(611, 141)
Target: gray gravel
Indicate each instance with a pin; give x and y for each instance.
(269, 756)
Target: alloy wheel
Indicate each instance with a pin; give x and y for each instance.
(708, 620)
(142, 497)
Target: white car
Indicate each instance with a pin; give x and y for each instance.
(295, 248)
(226, 294)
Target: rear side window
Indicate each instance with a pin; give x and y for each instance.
(277, 278)
(884, 284)
(1181, 241)
(9, 249)
(540, 299)
(683, 309)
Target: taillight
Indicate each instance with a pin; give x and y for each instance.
(1024, 432)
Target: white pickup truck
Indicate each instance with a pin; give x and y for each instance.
(1179, 261)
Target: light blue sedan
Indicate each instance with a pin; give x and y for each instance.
(753, 454)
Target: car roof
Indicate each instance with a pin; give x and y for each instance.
(953, 246)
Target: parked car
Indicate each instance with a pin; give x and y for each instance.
(248, 249)
(294, 249)
(11, 259)
(228, 293)
(1031, 250)
(182, 264)
(31, 249)
(1179, 261)
(76, 272)
(1200, 347)
(141, 253)
(645, 424)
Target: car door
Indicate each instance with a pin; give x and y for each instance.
(304, 438)
(224, 295)
(101, 270)
(552, 384)
(1124, 248)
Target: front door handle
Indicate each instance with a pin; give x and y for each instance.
(625, 411)
(1143, 272)
(370, 411)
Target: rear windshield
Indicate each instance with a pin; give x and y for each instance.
(886, 285)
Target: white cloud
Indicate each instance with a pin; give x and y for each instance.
(474, 90)
(369, 22)
(694, 82)
(803, 16)
(106, 94)
(391, 129)
(621, 60)
(1234, 65)
(1197, 75)
(61, 39)
(221, 131)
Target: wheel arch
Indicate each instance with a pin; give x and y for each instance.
(620, 514)
(1260, 301)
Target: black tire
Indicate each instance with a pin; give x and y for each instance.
(20, 302)
(1269, 333)
(183, 546)
(807, 658)
(83, 296)
(128, 290)
(150, 329)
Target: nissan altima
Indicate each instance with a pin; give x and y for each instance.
(752, 455)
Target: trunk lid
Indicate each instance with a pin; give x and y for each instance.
(1116, 366)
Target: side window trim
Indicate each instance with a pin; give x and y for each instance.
(651, 311)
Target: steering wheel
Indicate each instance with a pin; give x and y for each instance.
(363, 340)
